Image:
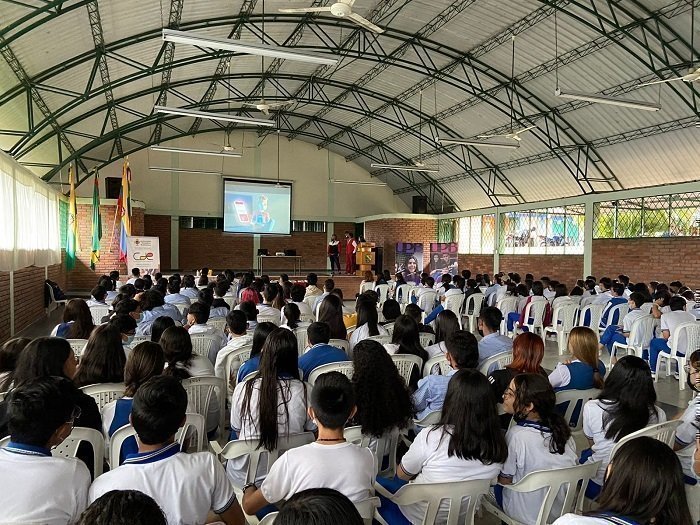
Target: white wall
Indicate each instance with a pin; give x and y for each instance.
(309, 169)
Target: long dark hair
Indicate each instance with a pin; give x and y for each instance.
(278, 364)
(382, 397)
(470, 419)
(292, 314)
(536, 389)
(406, 335)
(645, 484)
(177, 349)
(628, 397)
(160, 325)
(103, 358)
(145, 361)
(446, 324)
(43, 357)
(331, 313)
(262, 330)
(367, 314)
(9, 356)
(78, 311)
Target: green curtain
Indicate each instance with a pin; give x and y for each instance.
(447, 230)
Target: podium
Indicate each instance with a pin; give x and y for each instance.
(364, 257)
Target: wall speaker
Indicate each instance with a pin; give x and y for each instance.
(420, 204)
(112, 187)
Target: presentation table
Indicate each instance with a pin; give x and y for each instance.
(296, 261)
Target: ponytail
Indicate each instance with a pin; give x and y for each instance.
(561, 431)
(598, 381)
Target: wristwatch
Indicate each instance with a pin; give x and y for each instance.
(248, 485)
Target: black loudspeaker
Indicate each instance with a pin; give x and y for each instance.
(378, 259)
(420, 204)
(112, 187)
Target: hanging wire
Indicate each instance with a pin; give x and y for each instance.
(556, 49)
(420, 126)
(512, 84)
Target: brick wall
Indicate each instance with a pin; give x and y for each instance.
(159, 226)
(475, 263)
(4, 306)
(563, 268)
(387, 232)
(29, 296)
(214, 249)
(654, 259)
(311, 246)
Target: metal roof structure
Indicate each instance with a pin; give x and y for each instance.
(79, 80)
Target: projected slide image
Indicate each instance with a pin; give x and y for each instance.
(256, 208)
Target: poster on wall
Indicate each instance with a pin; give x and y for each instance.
(443, 259)
(143, 253)
(409, 260)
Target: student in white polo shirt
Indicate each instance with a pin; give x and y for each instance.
(332, 405)
(123, 507)
(186, 486)
(669, 322)
(34, 486)
(197, 317)
(237, 329)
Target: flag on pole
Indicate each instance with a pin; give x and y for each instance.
(124, 209)
(96, 223)
(72, 237)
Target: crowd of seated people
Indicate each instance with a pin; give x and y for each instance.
(498, 424)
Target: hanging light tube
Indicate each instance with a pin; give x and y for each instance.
(604, 99)
(404, 168)
(478, 143)
(358, 182)
(213, 116)
(172, 149)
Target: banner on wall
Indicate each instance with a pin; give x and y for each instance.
(443, 259)
(409, 260)
(143, 253)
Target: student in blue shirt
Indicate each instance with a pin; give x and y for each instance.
(260, 334)
(618, 297)
(320, 353)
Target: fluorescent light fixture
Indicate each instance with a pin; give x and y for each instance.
(170, 149)
(604, 99)
(213, 116)
(225, 44)
(478, 143)
(359, 182)
(404, 168)
(183, 170)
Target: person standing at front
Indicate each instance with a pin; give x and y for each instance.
(334, 253)
(350, 249)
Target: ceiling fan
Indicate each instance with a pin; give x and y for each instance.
(514, 135)
(342, 9)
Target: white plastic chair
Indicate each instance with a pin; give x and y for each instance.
(440, 361)
(232, 362)
(595, 311)
(401, 294)
(405, 363)
(507, 305)
(534, 317)
(200, 394)
(383, 292)
(217, 322)
(381, 339)
(692, 494)
(552, 480)
(426, 339)
(385, 445)
(53, 302)
(502, 359)
(69, 447)
(203, 343)
(473, 304)
(451, 493)
(389, 327)
(364, 287)
(344, 367)
(563, 320)
(230, 301)
(616, 312)
(104, 393)
(2, 396)
(426, 300)
(343, 344)
(98, 312)
(641, 333)
(455, 303)
(574, 398)
(182, 308)
(432, 418)
(691, 331)
(664, 432)
(78, 345)
(302, 336)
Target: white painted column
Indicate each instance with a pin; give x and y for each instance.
(497, 243)
(12, 303)
(256, 247)
(588, 239)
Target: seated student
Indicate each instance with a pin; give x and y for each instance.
(292, 316)
(109, 287)
(237, 330)
(97, 297)
(643, 485)
(584, 370)
(320, 353)
(312, 291)
(686, 434)
(537, 295)
(297, 293)
(416, 313)
(145, 361)
(306, 467)
(661, 302)
(541, 440)
(197, 318)
(175, 296)
(466, 444)
(186, 486)
(367, 321)
(37, 487)
(220, 309)
(669, 322)
(328, 287)
(103, 358)
(319, 507)
(589, 294)
(126, 326)
(423, 289)
(561, 296)
(604, 291)
(135, 274)
(391, 310)
(265, 308)
(462, 352)
(405, 340)
(617, 292)
(492, 342)
(9, 356)
(123, 507)
(273, 403)
(455, 290)
(259, 337)
(250, 309)
(140, 286)
(189, 289)
(625, 405)
(620, 332)
(153, 306)
(77, 321)
(160, 325)
(331, 312)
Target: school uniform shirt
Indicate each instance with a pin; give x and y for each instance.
(318, 300)
(549, 294)
(92, 302)
(493, 344)
(266, 310)
(145, 325)
(362, 333)
(320, 354)
(236, 343)
(576, 375)
(191, 293)
(575, 519)
(605, 316)
(428, 458)
(179, 298)
(304, 310)
(212, 331)
(292, 391)
(629, 319)
(218, 311)
(39, 488)
(685, 436)
(307, 467)
(250, 366)
(185, 486)
(593, 428)
(528, 451)
(312, 291)
(602, 297)
(430, 394)
(671, 320)
(132, 280)
(114, 416)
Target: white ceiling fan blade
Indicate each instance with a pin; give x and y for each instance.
(364, 23)
(306, 10)
(524, 130)
(280, 103)
(254, 104)
(661, 81)
(266, 112)
(490, 136)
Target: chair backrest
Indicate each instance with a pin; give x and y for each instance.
(454, 303)
(401, 293)
(642, 331)
(69, 446)
(535, 310)
(567, 479)
(507, 305)
(217, 322)
(274, 319)
(230, 301)
(104, 393)
(575, 398)
(685, 337)
(98, 312)
(617, 312)
(405, 363)
(302, 336)
(438, 360)
(389, 327)
(595, 312)
(78, 345)
(381, 446)
(381, 339)
(426, 339)
(366, 286)
(431, 418)
(426, 301)
(203, 343)
(664, 432)
(502, 359)
(343, 344)
(200, 394)
(450, 492)
(473, 304)
(181, 307)
(234, 360)
(344, 367)
(383, 292)
(567, 315)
